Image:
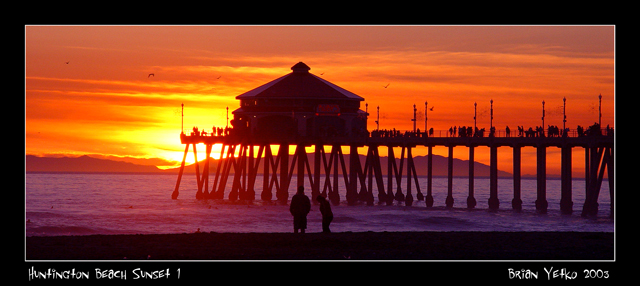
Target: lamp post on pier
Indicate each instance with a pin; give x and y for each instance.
(475, 114)
(366, 111)
(564, 115)
(414, 118)
(600, 111)
(425, 118)
(378, 118)
(491, 120)
(543, 117)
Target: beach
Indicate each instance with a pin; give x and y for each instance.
(439, 246)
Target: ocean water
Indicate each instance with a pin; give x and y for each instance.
(83, 204)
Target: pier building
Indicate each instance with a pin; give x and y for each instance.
(299, 104)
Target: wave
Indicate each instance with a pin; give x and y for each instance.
(64, 230)
(445, 221)
(42, 214)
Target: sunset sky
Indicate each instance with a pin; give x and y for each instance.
(88, 89)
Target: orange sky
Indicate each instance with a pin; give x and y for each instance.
(104, 102)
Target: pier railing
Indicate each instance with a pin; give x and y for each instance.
(497, 133)
(410, 138)
(396, 133)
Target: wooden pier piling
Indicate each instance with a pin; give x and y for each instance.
(566, 203)
(541, 201)
(516, 203)
(471, 200)
(240, 158)
(449, 200)
(429, 198)
(494, 203)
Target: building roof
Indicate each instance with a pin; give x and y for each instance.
(300, 83)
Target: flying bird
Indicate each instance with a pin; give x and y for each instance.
(151, 75)
(218, 77)
(387, 85)
(322, 73)
(431, 109)
(66, 62)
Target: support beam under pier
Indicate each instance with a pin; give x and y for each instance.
(449, 200)
(516, 203)
(175, 193)
(354, 165)
(599, 159)
(494, 203)
(566, 204)
(282, 193)
(315, 187)
(429, 198)
(471, 200)
(541, 201)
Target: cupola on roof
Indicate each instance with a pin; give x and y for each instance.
(300, 67)
(300, 84)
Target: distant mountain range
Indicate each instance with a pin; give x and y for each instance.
(86, 164)
(83, 164)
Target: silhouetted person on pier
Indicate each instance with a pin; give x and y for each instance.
(327, 214)
(580, 131)
(530, 132)
(299, 208)
(594, 130)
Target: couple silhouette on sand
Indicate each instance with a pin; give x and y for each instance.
(300, 207)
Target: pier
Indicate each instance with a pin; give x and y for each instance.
(300, 110)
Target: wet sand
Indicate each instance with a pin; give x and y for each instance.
(333, 246)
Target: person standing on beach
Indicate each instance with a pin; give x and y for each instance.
(299, 208)
(327, 214)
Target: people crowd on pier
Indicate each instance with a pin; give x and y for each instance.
(464, 131)
(215, 131)
(454, 131)
(554, 131)
(393, 133)
(594, 130)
